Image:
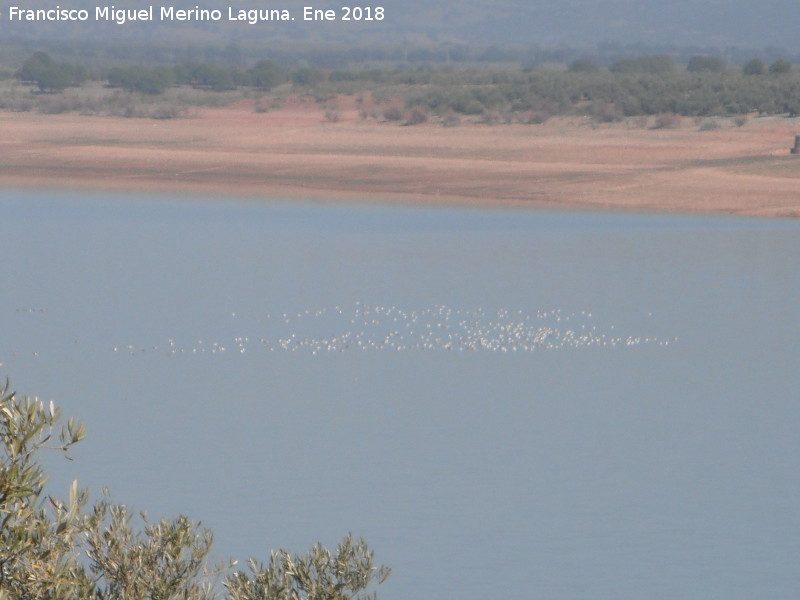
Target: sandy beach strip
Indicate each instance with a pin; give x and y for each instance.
(294, 151)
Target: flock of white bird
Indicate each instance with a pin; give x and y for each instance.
(390, 328)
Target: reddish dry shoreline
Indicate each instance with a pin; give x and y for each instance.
(295, 151)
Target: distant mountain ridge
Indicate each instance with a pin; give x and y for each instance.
(576, 23)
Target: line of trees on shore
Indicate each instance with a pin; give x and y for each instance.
(649, 85)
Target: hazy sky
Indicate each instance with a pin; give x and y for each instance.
(577, 23)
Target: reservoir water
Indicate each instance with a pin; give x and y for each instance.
(504, 403)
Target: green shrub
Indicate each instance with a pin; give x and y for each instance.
(705, 63)
(318, 575)
(780, 67)
(148, 80)
(43, 540)
(754, 67)
(393, 113)
(416, 116)
(667, 121)
(48, 75)
(266, 75)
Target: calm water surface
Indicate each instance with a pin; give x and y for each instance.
(505, 404)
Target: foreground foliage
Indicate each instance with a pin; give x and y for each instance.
(55, 550)
(318, 575)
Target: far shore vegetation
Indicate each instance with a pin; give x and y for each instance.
(652, 90)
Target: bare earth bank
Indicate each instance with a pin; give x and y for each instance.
(295, 151)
